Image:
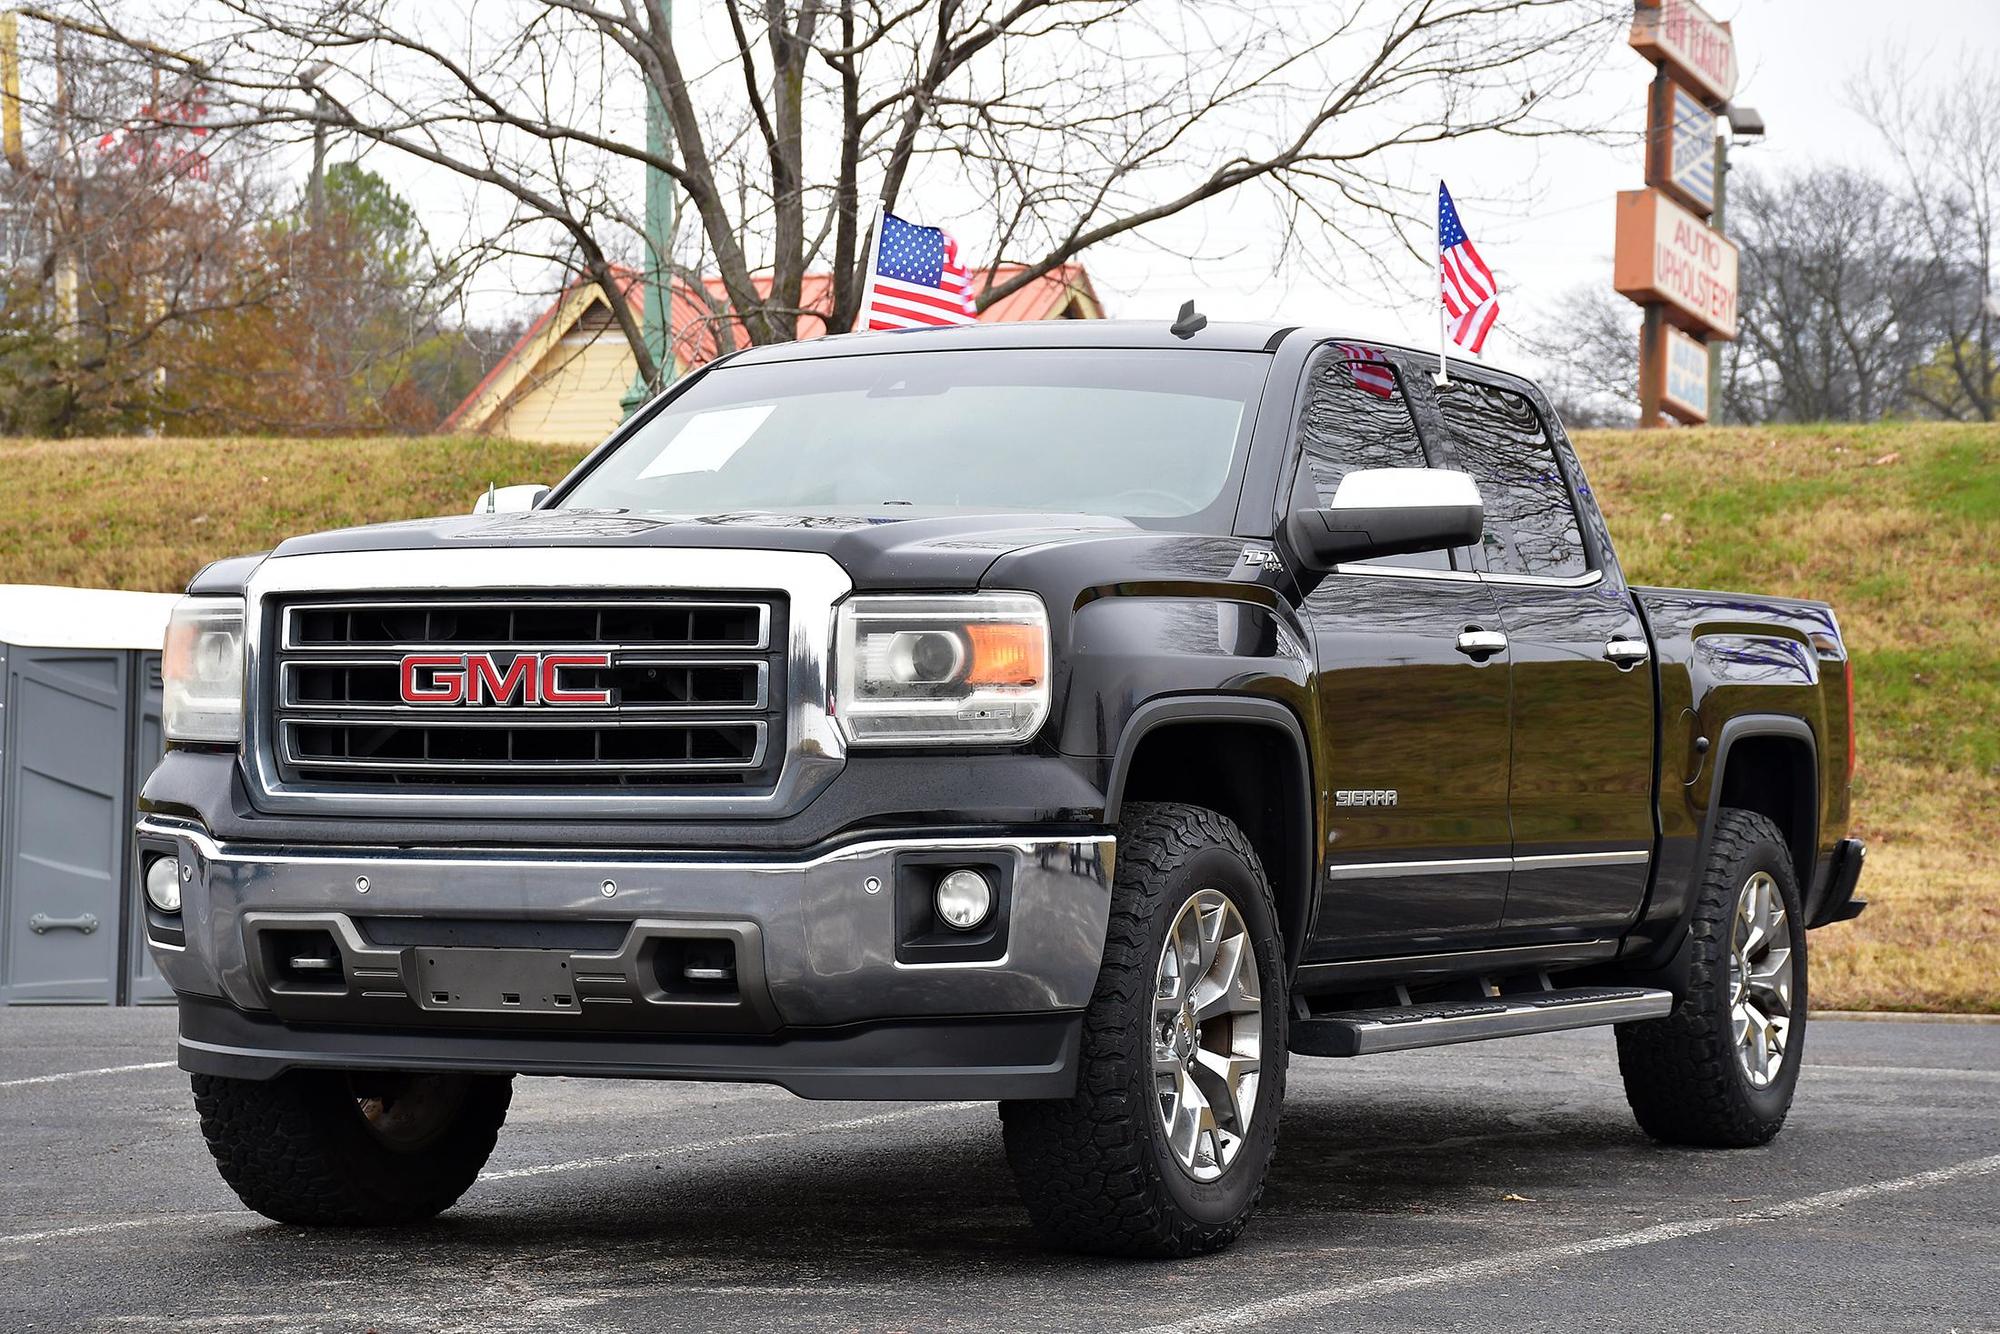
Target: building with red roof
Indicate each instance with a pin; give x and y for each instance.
(563, 381)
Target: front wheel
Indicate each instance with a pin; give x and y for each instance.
(1163, 1149)
(330, 1148)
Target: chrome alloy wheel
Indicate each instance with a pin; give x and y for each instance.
(1760, 980)
(1208, 1026)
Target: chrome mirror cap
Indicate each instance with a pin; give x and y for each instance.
(1405, 488)
(1387, 512)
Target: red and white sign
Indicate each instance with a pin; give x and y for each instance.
(1668, 255)
(479, 679)
(1698, 50)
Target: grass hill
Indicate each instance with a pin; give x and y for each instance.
(1897, 525)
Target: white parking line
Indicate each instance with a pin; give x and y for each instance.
(83, 1074)
(727, 1142)
(1951, 1072)
(1302, 1304)
(91, 1229)
(518, 1173)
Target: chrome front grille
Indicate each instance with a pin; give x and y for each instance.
(695, 686)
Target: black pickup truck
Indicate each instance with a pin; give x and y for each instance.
(1084, 716)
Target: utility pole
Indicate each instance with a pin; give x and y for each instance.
(1715, 345)
(67, 309)
(657, 279)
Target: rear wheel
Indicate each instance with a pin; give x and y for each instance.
(358, 1150)
(1721, 1069)
(1163, 1149)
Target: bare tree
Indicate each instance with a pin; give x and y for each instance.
(792, 121)
(1945, 135)
(131, 227)
(1588, 348)
(1843, 298)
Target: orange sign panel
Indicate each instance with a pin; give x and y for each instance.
(1667, 254)
(1681, 35)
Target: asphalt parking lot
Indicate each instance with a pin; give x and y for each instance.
(1501, 1186)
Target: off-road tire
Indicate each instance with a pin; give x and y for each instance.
(1094, 1169)
(1681, 1072)
(298, 1149)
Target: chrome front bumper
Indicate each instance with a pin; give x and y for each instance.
(818, 942)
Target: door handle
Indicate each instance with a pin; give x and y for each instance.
(41, 923)
(1627, 652)
(1480, 644)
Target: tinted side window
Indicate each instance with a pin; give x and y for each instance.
(1356, 417)
(1531, 525)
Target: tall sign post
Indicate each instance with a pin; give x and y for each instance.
(657, 280)
(1671, 259)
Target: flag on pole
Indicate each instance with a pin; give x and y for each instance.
(915, 279)
(1471, 297)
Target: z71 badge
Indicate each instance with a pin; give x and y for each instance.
(1365, 796)
(1264, 558)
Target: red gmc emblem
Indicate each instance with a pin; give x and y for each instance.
(477, 678)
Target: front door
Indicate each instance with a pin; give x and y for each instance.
(1583, 698)
(1412, 713)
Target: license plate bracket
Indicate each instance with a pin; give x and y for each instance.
(496, 981)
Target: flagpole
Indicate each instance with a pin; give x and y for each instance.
(874, 262)
(1443, 376)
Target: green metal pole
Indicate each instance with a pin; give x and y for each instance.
(656, 320)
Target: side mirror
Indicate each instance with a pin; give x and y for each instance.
(1388, 512)
(510, 499)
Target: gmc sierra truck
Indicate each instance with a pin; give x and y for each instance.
(1089, 717)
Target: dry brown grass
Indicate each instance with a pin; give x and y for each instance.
(1898, 526)
(147, 514)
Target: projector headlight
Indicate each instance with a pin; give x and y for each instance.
(970, 669)
(201, 672)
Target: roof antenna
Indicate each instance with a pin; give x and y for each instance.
(1187, 324)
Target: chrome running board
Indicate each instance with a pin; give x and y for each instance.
(1441, 1023)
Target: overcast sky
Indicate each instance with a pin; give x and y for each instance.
(1541, 212)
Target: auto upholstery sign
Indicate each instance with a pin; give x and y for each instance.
(1667, 254)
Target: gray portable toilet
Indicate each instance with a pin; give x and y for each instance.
(79, 732)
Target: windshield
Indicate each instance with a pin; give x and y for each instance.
(1144, 435)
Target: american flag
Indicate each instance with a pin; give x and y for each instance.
(918, 280)
(1471, 297)
(1369, 368)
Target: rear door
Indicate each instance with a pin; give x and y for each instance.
(1412, 742)
(1581, 790)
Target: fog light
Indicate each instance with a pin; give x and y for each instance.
(163, 884)
(964, 899)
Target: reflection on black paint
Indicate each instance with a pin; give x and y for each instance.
(1531, 526)
(1346, 428)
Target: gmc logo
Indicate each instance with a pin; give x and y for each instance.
(477, 678)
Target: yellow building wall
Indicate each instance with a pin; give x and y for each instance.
(573, 397)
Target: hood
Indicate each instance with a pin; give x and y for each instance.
(920, 550)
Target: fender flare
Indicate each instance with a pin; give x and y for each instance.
(1757, 725)
(1240, 709)
(1672, 969)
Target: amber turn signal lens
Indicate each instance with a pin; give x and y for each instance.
(1004, 655)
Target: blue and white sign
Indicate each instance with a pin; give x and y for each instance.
(1692, 166)
(1686, 390)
